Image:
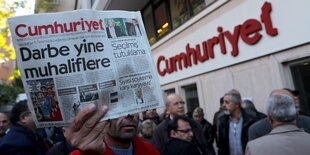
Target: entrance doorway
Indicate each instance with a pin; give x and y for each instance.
(301, 77)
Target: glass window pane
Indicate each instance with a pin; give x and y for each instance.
(191, 95)
(170, 91)
(149, 24)
(180, 12)
(198, 5)
(161, 18)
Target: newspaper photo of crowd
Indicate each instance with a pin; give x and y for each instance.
(44, 100)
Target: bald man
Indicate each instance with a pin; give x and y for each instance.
(263, 127)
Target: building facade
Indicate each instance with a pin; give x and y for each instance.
(204, 48)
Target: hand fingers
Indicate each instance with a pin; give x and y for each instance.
(93, 122)
(81, 117)
(94, 140)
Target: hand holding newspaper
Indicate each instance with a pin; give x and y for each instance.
(71, 59)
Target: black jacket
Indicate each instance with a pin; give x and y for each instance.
(160, 135)
(179, 147)
(22, 141)
(263, 127)
(208, 133)
(222, 132)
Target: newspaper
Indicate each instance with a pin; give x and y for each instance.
(71, 59)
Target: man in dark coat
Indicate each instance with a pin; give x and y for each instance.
(175, 105)
(207, 128)
(232, 128)
(181, 135)
(263, 127)
(22, 138)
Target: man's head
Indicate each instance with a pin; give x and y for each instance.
(150, 113)
(289, 93)
(235, 91)
(134, 22)
(249, 105)
(180, 128)
(139, 94)
(295, 93)
(146, 128)
(198, 114)
(50, 92)
(222, 103)
(281, 91)
(44, 90)
(281, 109)
(123, 129)
(111, 23)
(21, 115)
(4, 123)
(40, 96)
(232, 103)
(175, 105)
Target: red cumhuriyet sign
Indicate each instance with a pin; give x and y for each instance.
(248, 32)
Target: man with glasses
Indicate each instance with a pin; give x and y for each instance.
(181, 135)
(175, 106)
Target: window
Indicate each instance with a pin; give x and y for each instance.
(163, 16)
(161, 20)
(197, 5)
(180, 12)
(149, 24)
(169, 91)
(191, 96)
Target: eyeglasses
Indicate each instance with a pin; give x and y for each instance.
(180, 102)
(185, 131)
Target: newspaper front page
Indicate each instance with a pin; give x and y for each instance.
(71, 59)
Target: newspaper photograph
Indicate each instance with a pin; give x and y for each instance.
(71, 59)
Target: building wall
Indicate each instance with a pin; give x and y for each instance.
(255, 78)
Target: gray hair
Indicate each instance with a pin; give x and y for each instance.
(281, 108)
(235, 98)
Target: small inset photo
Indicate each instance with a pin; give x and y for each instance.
(139, 97)
(115, 27)
(133, 27)
(114, 97)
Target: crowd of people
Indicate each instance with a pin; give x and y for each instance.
(237, 129)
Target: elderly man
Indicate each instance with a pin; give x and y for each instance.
(4, 123)
(21, 139)
(263, 127)
(113, 137)
(285, 138)
(175, 106)
(114, 31)
(181, 135)
(232, 128)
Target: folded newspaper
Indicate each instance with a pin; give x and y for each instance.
(71, 59)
